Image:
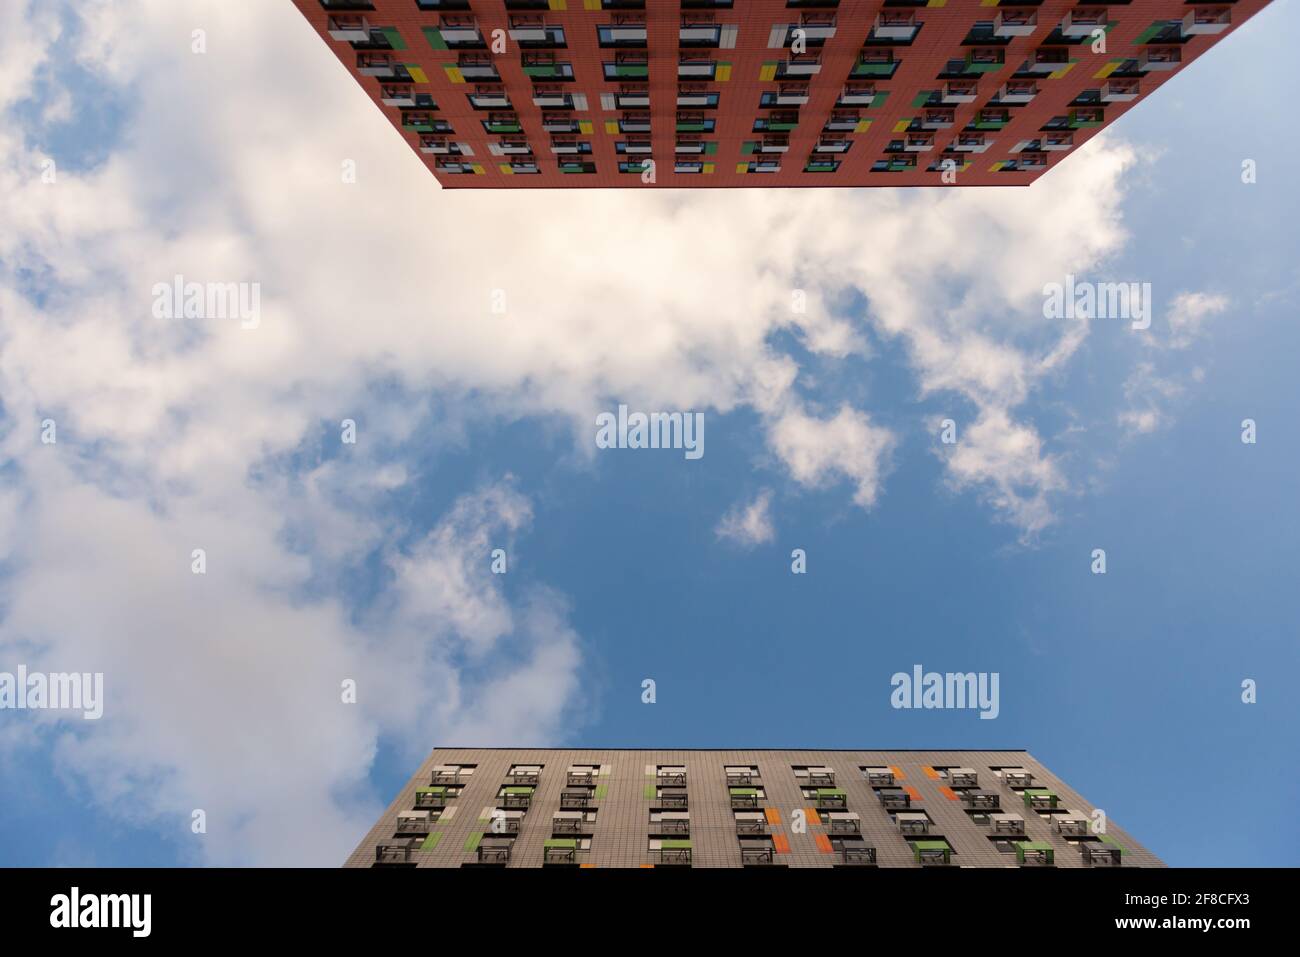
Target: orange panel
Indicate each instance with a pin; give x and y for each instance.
(593, 865)
(824, 843)
(781, 844)
(898, 773)
(814, 819)
(647, 865)
(949, 793)
(773, 815)
(912, 791)
(931, 773)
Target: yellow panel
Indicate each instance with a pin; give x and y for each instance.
(723, 73)
(996, 166)
(591, 4)
(937, 3)
(767, 73)
(558, 4)
(418, 75)
(454, 74)
(862, 127)
(988, 3)
(742, 167)
(478, 170)
(1106, 71)
(584, 126)
(505, 168)
(708, 168)
(611, 126)
(1061, 72)
(902, 125)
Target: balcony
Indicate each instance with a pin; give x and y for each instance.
(579, 778)
(880, 777)
(1015, 23)
(862, 856)
(693, 34)
(675, 801)
(413, 822)
(797, 65)
(970, 143)
(381, 66)
(460, 35)
(674, 778)
(560, 124)
(1054, 143)
(880, 63)
(1096, 854)
(1206, 21)
(441, 146)
(1007, 825)
(560, 850)
(497, 100)
(984, 60)
(1047, 60)
(629, 66)
(892, 25)
(675, 852)
(567, 822)
(689, 147)
(477, 68)
(756, 856)
(622, 35)
(540, 69)
(744, 798)
(1018, 92)
(932, 853)
(1040, 799)
(1031, 161)
(535, 33)
(1083, 21)
(842, 121)
(671, 822)
(1019, 777)
(517, 797)
(702, 99)
(510, 147)
(895, 798)
(823, 777)
(529, 776)
(349, 29)
(431, 798)
(831, 798)
(741, 778)
(959, 92)
(981, 800)
(694, 68)
(494, 852)
(1035, 854)
(817, 28)
(1120, 91)
(824, 145)
(963, 778)
(845, 822)
(751, 823)
(938, 119)
(859, 94)
(549, 100)
(913, 823)
(399, 852)
(579, 799)
(990, 120)
(1160, 59)
(1073, 823)
(401, 96)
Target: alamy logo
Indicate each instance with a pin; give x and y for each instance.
(657, 430)
(1098, 300)
(77, 691)
(179, 299)
(133, 911)
(930, 689)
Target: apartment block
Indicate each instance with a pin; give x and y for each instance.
(504, 807)
(679, 93)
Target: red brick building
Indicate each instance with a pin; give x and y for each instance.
(679, 93)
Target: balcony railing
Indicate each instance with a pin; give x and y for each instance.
(396, 853)
(672, 779)
(751, 827)
(523, 777)
(857, 855)
(756, 855)
(740, 778)
(988, 800)
(493, 853)
(674, 801)
(575, 799)
(674, 825)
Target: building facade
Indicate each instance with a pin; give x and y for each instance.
(677, 93)
(504, 807)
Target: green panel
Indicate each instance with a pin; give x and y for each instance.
(1149, 32)
(566, 842)
(921, 98)
(692, 127)
(984, 67)
(437, 790)
(743, 791)
(471, 844)
(435, 38)
(602, 790)
(782, 126)
(517, 790)
(631, 69)
(1107, 839)
(748, 148)
(394, 37)
(830, 792)
(875, 69)
(675, 845)
(503, 127)
(710, 148)
(932, 845)
(649, 792)
(431, 841)
(544, 69)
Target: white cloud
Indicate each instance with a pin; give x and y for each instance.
(1148, 396)
(1188, 314)
(846, 445)
(749, 524)
(176, 434)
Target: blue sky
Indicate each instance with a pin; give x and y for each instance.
(373, 560)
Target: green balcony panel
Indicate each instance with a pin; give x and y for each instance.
(564, 842)
(435, 38)
(638, 70)
(676, 845)
(394, 37)
(431, 841)
(875, 69)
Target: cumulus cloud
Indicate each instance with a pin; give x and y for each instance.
(376, 295)
(749, 524)
(1188, 314)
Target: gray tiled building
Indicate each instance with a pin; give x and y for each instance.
(529, 807)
